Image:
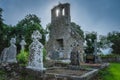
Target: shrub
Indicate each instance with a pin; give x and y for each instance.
(44, 54)
(110, 55)
(22, 57)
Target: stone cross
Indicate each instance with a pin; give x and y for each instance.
(95, 47)
(97, 57)
(22, 43)
(36, 53)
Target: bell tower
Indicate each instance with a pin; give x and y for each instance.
(63, 35)
(61, 14)
(60, 28)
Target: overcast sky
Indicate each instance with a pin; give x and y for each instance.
(102, 16)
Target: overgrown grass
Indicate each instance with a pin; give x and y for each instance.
(109, 55)
(44, 54)
(111, 73)
(2, 75)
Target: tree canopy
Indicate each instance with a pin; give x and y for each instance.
(2, 29)
(78, 29)
(25, 28)
(89, 39)
(114, 39)
(22, 30)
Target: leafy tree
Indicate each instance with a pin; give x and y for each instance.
(73, 27)
(89, 39)
(104, 43)
(6, 35)
(2, 36)
(1, 20)
(114, 38)
(25, 28)
(78, 29)
(5, 31)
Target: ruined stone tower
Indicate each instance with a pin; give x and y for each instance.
(63, 36)
(61, 14)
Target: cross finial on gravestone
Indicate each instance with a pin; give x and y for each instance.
(36, 35)
(22, 43)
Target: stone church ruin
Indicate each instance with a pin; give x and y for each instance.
(64, 35)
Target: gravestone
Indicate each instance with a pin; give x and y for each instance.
(97, 57)
(81, 57)
(55, 55)
(9, 54)
(75, 57)
(61, 54)
(36, 53)
(93, 58)
(22, 43)
(95, 50)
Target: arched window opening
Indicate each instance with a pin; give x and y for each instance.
(57, 12)
(63, 11)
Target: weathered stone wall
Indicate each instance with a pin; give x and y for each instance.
(65, 17)
(63, 36)
(110, 59)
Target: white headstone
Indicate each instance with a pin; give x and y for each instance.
(81, 57)
(22, 43)
(9, 54)
(36, 53)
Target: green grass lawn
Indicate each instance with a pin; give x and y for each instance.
(111, 73)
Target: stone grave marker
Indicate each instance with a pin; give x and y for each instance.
(22, 43)
(97, 57)
(55, 55)
(75, 57)
(93, 58)
(9, 54)
(36, 53)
